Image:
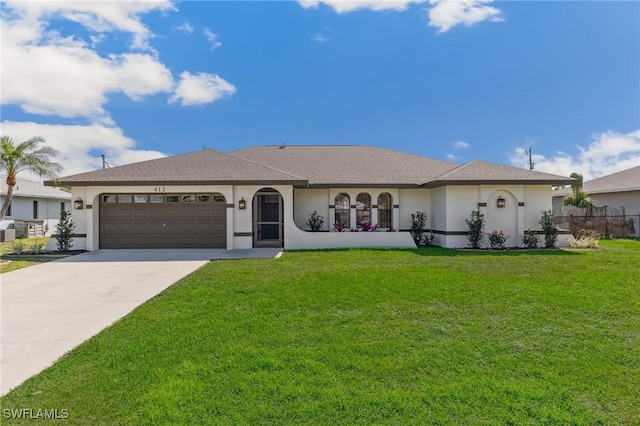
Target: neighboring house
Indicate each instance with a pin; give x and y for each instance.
(620, 189)
(34, 206)
(263, 196)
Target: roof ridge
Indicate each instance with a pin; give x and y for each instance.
(262, 165)
(454, 170)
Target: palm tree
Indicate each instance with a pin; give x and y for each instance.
(578, 197)
(29, 156)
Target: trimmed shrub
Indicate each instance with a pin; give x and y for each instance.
(548, 224)
(475, 228)
(315, 221)
(530, 239)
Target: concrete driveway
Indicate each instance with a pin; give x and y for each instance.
(51, 308)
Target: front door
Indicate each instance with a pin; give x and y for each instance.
(268, 226)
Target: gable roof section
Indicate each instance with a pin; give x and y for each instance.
(26, 188)
(347, 165)
(206, 167)
(482, 172)
(625, 180)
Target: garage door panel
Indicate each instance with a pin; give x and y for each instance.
(163, 225)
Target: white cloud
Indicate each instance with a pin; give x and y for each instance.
(186, 27)
(453, 157)
(201, 88)
(65, 76)
(80, 146)
(319, 38)
(608, 153)
(443, 14)
(345, 6)
(97, 16)
(446, 14)
(211, 38)
(461, 145)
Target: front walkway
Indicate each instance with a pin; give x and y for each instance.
(51, 308)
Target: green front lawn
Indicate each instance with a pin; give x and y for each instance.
(429, 336)
(22, 263)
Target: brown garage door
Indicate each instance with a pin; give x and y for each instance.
(163, 221)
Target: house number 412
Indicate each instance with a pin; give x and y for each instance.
(159, 189)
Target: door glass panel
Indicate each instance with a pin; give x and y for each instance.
(124, 198)
(269, 211)
(108, 198)
(140, 198)
(156, 198)
(188, 198)
(173, 198)
(269, 231)
(204, 198)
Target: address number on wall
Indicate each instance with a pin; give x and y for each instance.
(159, 188)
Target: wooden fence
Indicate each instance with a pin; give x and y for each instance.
(606, 221)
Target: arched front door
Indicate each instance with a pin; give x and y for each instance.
(268, 223)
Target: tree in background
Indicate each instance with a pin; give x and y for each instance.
(28, 155)
(578, 197)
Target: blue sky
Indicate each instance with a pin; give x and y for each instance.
(457, 80)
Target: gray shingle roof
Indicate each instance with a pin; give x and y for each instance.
(32, 189)
(625, 180)
(201, 167)
(319, 165)
(347, 165)
(491, 173)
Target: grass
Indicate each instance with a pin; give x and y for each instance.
(22, 263)
(429, 336)
(26, 261)
(6, 247)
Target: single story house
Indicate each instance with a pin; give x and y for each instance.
(262, 197)
(34, 207)
(621, 189)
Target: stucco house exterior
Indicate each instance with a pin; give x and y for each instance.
(621, 189)
(262, 197)
(614, 190)
(35, 204)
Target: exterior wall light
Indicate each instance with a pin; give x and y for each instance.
(78, 204)
(501, 202)
(242, 204)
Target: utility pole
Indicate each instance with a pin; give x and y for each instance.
(531, 163)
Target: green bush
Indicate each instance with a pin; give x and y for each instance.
(498, 240)
(37, 247)
(18, 247)
(315, 221)
(530, 239)
(418, 225)
(64, 230)
(475, 228)
(548, 224)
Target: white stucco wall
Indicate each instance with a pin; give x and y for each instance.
(412, 201)
(306, 201)
(523, 207)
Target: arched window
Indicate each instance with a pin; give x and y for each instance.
(363, 208)
(384, 210)
(342, 209)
